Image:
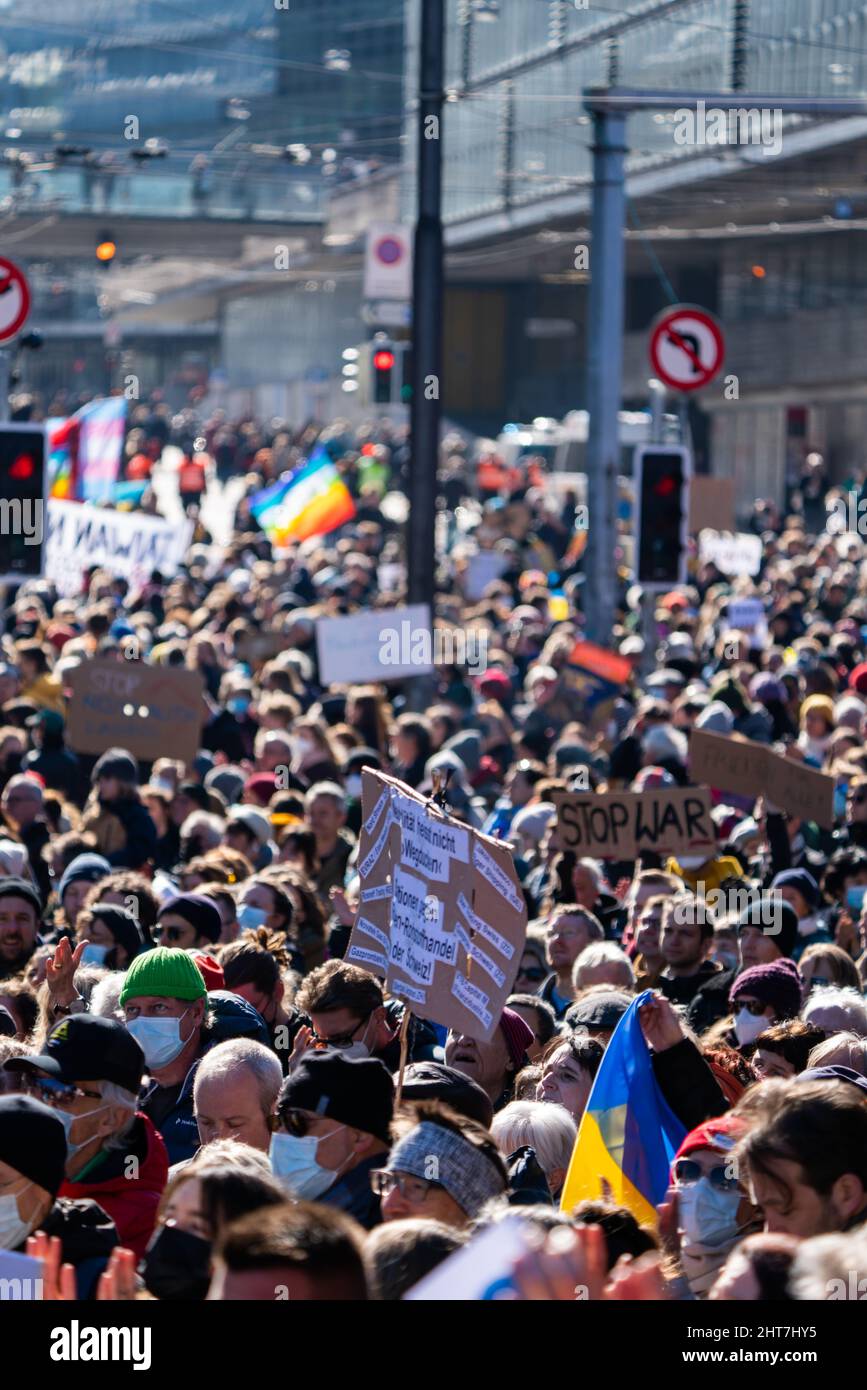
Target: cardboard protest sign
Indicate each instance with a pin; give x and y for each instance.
(153, 711)
(253, 648)
(711, 503)
(441, 917)
(738, 765)
(382, 644)
(128, 544)
(620, 825)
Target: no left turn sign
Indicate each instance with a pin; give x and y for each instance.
(14, 300)
(687, 348)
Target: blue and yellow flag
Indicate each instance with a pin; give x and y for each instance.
(628, 1134)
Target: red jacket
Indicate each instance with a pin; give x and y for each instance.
(127, 1183)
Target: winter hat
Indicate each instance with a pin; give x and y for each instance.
(201, 913)
(716, 718)
(819, 704)
(650, 779)
(777, 984)
(467, 1174)
(255, 821)
(354, 1091)
(116, 762)
(518, 1034)
(858, 679)
(436, 1081)
(533, 821)
(212, 971)
(84, 868)
(32, 1141)
(14, 858)
(766, 689)
(122, 925)
(720, 1134)
(781, 916)
(165, 973)
(849, 712)
(834, 1072)
(228, 781)
(261, 787)
(743, 831)
(13, 887)
(801, 880)
(663, 743)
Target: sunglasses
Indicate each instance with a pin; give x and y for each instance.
(687, 1172)
(168, 933)
(58, 1093)
(295, 1122)
(339, 1039)
(534, 976)
(752, 1006)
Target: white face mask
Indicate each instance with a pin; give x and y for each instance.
(159, 1038)
(807, 925)
(353, 785)
(748, 1026)
(13, 1231)
(68, 1121)
(707, 1216)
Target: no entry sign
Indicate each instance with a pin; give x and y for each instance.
(687, 348)
(14, 300)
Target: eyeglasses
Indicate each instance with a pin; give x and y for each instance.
(413, 1190)
(57, 1093)
(295, 1122)
(339, 1039)
(169, 933)
(687, 1172)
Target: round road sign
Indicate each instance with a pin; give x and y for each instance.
(14, 300)
(687, 348)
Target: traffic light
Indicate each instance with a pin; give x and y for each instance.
(662, 477)
(383, 366)
(406, 373)
(22, 502)
(106, 250)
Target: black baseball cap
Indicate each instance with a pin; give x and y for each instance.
(85, 1048)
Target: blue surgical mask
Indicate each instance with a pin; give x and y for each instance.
(250, 918)
(13, 1231)
(93, 954)
(706, 1215)
(293, 1161)
(238, 704)
(855, 897)
(159, 1039)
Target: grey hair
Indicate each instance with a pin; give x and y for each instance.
(548, 1128)
(228, 1056)
(603, 953)
(112, 1094)
(846, 1049)
(842, 1008)
(205, 824)
(223, 1154)
(105, 998)
(325, 789)
(822, 1266)
(595, 869)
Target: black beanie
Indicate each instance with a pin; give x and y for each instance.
(354, 1091)
(21, 888)
(775, 918)
(32, 1141)
(122, 925)
(201, 913)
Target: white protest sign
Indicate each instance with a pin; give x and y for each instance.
(732, 554)
(20, 1277)
(745, 614)
(127, 544)
(479, 1271)
(482, 569)
(384, 644)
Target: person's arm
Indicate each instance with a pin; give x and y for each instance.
(778, 840)
(684, 1077)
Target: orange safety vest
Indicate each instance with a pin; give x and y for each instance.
(191, 476)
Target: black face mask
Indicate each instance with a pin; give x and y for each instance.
(177, 1265)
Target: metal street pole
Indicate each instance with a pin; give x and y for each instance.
(605, 367)
(427, 316)
(427, 308)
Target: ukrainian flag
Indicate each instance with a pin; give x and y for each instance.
(628, 1135)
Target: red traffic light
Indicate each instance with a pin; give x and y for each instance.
(383, 360)
(666, 486)
(23, 467)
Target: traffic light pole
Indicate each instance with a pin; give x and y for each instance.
(5, 383)
(427, 313)
(609, 108)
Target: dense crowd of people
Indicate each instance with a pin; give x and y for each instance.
(200, 1097)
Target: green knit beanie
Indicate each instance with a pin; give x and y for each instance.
(166, 972)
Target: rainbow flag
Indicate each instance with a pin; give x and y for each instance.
(628, 1135)
(61, 458)
(310, 501)
(84, 452)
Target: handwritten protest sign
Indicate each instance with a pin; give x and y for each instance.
(735, 764)
(128, 544)
(620, 825)
(153, 711)
(441, 917)
(740, 553)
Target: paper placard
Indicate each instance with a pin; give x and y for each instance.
(733, 764)
(153, 711)
(382, 644)
(620, 825)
